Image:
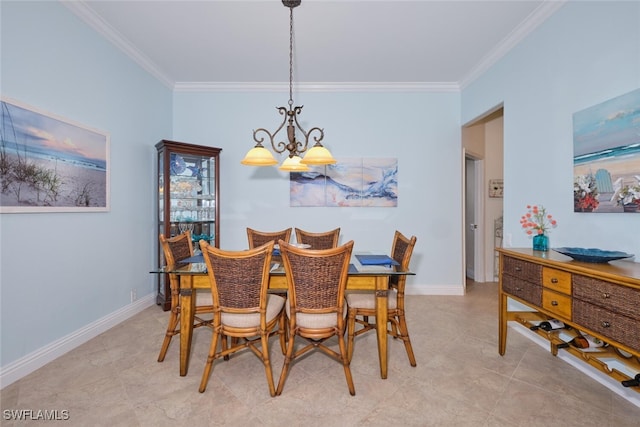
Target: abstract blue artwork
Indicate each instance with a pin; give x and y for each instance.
(355, 182)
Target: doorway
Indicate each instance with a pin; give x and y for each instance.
(482, 147)
(474, 265)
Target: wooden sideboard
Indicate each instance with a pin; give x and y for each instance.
(601, 300)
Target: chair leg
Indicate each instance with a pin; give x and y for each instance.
(264, 338)
(210, 359)
(394, 330)
(345, 363)
(287, 362)
(282, 332)
(404, 335)
(351, 328)
(174, 318)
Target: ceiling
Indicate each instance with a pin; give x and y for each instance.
(394, 42)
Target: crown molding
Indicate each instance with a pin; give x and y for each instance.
(535, 19)
(316, 87)
(87, 15)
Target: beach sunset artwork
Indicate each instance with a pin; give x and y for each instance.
(356, 182)
(606, 156)
(50, 164)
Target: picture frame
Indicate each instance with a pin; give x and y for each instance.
(496, 188)
(606, 156)
(49, 163)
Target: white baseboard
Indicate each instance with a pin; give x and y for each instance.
(36, 359)
(613, 385)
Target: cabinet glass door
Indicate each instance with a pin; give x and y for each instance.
(192, 198)
(187, 198)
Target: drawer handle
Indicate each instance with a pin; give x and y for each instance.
(518, 269)
(519, 289)
(554, 303)
(606, 295)
(554, 280)
(605, 324)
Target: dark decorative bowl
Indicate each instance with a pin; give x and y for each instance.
(592, 255)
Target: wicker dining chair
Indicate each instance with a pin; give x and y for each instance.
(176, 249)
(259, 238)
(316, 281)
(362, 304)
(242, 308)
(325, 240)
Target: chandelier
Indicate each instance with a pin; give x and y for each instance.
(316, 155)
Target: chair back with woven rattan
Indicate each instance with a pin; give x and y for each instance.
(242, 308)
(324, 240)
(259, 238)
(401, 251)
(316, 283)
(362, 304)
(176, 249)
(239, 279)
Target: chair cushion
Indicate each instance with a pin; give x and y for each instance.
(319, 321)
(252, 320)
(203, 297)
(367, 300)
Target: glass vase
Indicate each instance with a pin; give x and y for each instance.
(541, 242)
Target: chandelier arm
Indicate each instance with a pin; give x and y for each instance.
(318, 138)
(307, 134)
(279, 147)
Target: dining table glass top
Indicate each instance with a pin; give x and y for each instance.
(195, 265)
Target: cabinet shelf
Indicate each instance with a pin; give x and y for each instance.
(606, 359)
(194, 221)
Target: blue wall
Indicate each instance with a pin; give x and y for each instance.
(63, 271)
(421, 130)
(586, 53)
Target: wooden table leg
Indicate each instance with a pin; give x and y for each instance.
(382, 290)
(502, 323)
(187, 309)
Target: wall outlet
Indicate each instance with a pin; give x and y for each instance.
(134, 295)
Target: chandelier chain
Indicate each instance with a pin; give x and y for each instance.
(290, 56)
(317, 155)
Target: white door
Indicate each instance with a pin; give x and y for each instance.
(471, 224)
(474, 242)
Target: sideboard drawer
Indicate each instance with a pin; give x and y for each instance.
(610, 325)
(557, 280)
(523, 270)
(616, 298)
(522, 289)
(557, 303)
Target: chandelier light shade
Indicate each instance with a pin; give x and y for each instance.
(293, 164)
(316, 155)
(259, 156)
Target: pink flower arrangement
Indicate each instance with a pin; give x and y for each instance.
(536, 220)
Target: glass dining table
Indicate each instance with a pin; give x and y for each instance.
(375, 278)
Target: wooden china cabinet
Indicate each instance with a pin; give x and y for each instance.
(187, 199)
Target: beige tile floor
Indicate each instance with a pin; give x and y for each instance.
(460, 380)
